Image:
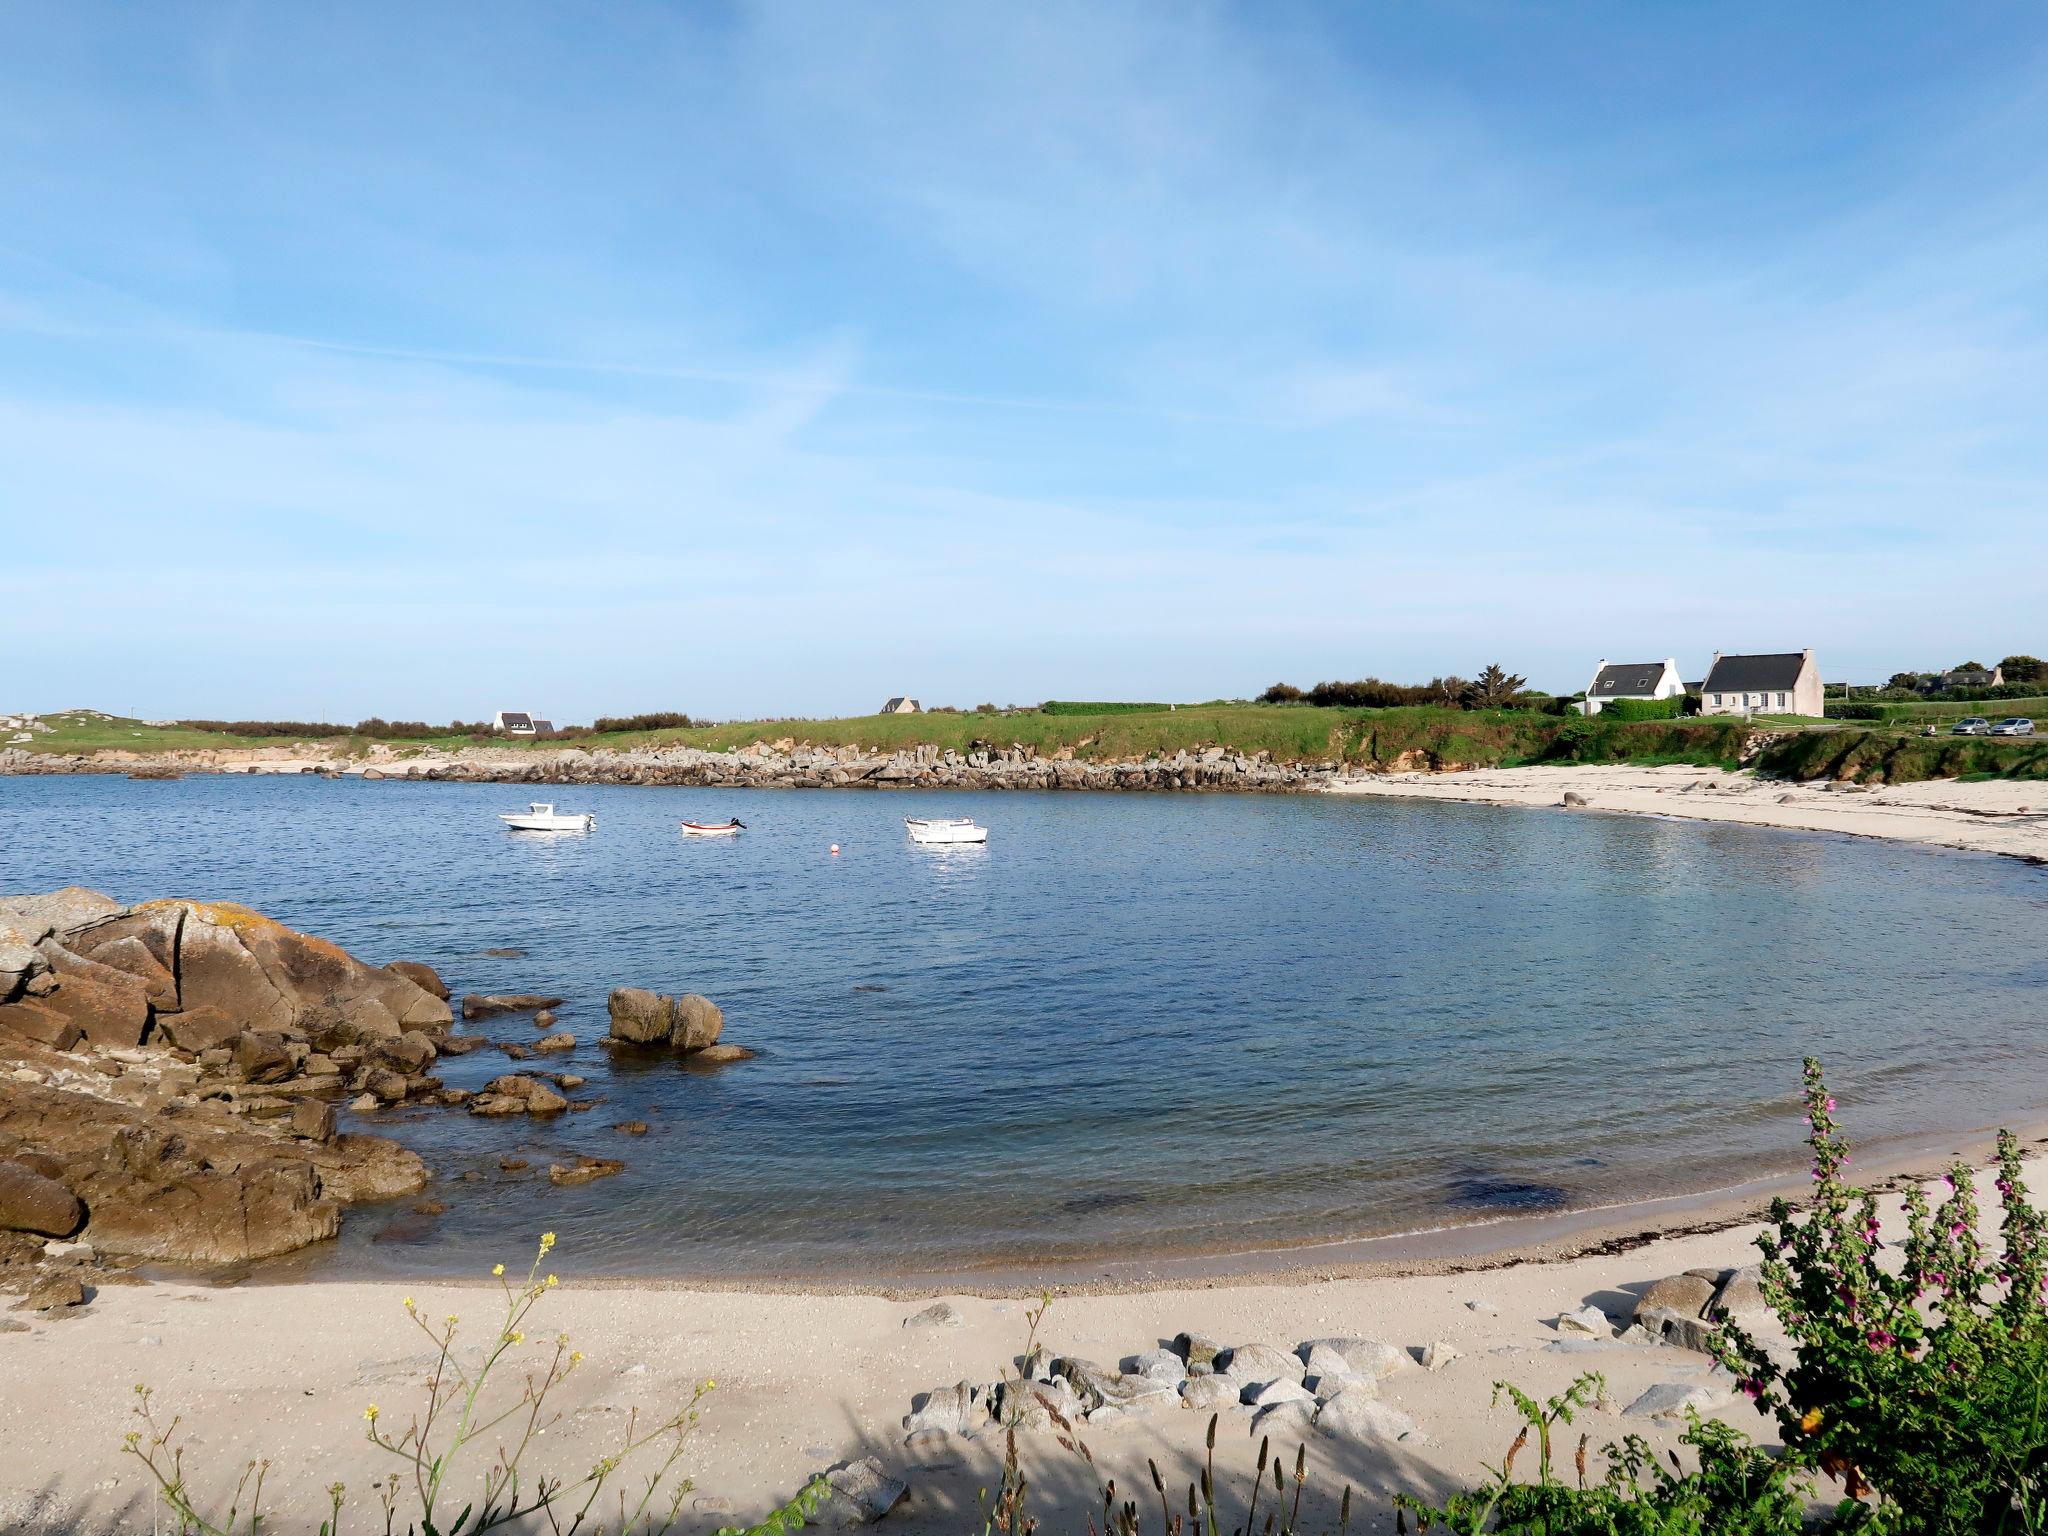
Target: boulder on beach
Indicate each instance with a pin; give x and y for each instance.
(514, 1094)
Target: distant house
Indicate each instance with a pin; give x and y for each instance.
(1964, 677)
(514, 722)
(902, 707)
(1783, 683)
(1633, 680)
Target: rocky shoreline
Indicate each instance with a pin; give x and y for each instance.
(784, 764)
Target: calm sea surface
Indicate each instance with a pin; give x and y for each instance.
(1129, 1025)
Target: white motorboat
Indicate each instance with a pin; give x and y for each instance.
(714, 829)
(541, 816)
(945, 829)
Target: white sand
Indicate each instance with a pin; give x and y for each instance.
(804, 1381)
(1995, 816)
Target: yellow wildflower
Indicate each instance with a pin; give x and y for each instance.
(370, 1413)
(575, 1357)
(408, 1303)
(553, 1281)
(547, 1241)
(517, 1337)
(497, 1269)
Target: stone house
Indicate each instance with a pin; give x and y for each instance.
(1964, 677)
(1781, 683)
(1632, 680)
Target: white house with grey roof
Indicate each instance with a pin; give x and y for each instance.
(1781, 683)
(1633, 680)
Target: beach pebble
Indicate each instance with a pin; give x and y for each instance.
(1362, 1416)
(638, 1368)
(953, 1410)
(1257, 1364)
(1289, 1418)
(1586, 1320)
(1483, 1308)
(1362, 1357)
(1438, 1354)
(940, 1314)
(1670, 1400)
(710, 1504)
(1208, 1393)
(1160, 1365)
(1327, 1387)
(1281, 1391)
(862, 1493)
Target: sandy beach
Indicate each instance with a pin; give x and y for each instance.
(806, 1382)
(2002, 816)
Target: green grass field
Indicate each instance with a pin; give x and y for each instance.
(1419, 737)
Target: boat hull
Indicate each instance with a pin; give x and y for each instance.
(527, 823)
(954, 830)
(693, 829)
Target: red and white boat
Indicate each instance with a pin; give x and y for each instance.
(709, 829)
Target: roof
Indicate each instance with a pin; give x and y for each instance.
(1742, 674)
(898, 703)
(514, 718)
(543, 726)
(1624, 679)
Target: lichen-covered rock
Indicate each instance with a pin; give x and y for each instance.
(1363, 1357)
(489, 1004)
(1362, 1416)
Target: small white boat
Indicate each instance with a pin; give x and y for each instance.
(945, 829)
(714, 829)
(541, 816)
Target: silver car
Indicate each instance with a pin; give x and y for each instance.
(2012, 725)
(1971, 725)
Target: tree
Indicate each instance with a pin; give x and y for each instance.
(1280, 693)
(1904, 682)
(1494, 688)
(1971, 666)
(2024, 669)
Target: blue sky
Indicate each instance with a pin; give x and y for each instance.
(430, 360)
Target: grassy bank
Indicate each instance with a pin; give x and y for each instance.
(1876, 755)
(1420, 737)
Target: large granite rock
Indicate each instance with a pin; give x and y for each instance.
(33, 1202)
(425, 977)
(199, 1187)
(698, 1021)
(640, 1017)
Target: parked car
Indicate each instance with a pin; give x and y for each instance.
(1971, 725)
(2013, 725)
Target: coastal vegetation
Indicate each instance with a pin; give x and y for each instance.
(1363, 737)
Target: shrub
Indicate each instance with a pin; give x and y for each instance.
(1076, 707)
(656, 720)
(1922, 1381)
(1281, 693)
(1738, 1490)
(1854, 711)
(1372, 693)
(1643, 709)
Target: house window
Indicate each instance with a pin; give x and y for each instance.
(1717, 701)
(1781, 701)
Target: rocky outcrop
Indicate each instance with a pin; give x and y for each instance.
(33, 1202)
(488, 1005)
(689, 1025)
(171, 1072)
